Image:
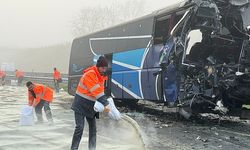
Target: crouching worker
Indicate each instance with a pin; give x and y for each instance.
(89, 89)
(40, 96)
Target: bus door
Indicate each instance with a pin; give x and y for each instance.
(169, 73)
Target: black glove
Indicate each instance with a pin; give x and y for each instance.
(97, 115)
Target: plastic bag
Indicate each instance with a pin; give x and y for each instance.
(98, 107)
(26, 116)
(113, 113)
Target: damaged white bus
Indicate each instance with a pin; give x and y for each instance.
(194, 55)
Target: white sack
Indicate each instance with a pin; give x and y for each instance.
(13, 82)
(26, 116)
(113, 113)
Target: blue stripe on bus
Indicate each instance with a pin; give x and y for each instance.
(116, 68)
(131, 82)
(128, 79)
(132, 57)
(117, 77)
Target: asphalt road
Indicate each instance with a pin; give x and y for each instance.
(156, 130)
(166, 130)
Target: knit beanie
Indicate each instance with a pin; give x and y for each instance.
(102, 62)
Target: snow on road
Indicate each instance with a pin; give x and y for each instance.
(111, 135)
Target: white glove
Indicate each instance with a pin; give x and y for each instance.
(98, 107)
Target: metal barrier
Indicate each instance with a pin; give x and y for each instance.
(37, 79)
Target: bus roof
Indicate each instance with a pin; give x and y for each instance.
(131, 35)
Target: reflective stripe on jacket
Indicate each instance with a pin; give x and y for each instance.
(56, 75)
(91, 84)
(41, 92)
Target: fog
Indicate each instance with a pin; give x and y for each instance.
(39, 24)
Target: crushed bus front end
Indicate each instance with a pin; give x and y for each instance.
(209, 62)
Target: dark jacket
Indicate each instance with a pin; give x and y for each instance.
(84, 107)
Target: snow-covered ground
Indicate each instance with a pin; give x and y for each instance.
(112, 135)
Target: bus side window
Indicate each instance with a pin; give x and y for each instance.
(177, 18)
(161, 32)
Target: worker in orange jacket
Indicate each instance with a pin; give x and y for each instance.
(57, 79)
(89, 89)
(2, 77)
(19, 75)
(40, 96)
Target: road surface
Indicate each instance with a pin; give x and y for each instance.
(111, 135)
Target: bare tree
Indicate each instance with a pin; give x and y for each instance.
(94, 19)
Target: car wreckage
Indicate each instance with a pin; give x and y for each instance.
(194, 55)
(212, 73)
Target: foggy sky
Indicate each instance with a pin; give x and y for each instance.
(36, 23)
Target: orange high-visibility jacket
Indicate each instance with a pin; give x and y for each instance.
(57, 75)
(2, 73)
(91, 84)
(19, 74)
(42, 92)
